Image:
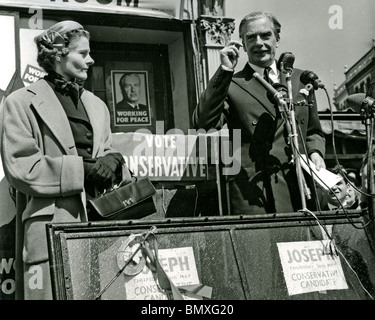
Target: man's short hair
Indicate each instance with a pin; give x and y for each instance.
(259, 15)
(122, 79)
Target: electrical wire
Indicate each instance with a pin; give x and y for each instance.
(163, 201)
(332, 243)
(368, 154)
(338, 164)
(317, 203)
(196, 202)
(330, 190)
(356, 274)
(322, 226)
(342, 172)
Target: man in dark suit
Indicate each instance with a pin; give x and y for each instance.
(130, 85)
(267, 179)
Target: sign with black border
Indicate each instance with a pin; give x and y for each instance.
(130, 96)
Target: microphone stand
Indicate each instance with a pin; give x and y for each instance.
(290, 122)
(369, 122)
(292, 131)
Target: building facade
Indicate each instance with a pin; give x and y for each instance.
(357, 79)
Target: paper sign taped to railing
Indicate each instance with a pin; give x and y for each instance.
(308, 268)
(178, 264)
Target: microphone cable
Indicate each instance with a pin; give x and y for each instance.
(340, 166)
(332, 244)
(337, 161)
(335, 152)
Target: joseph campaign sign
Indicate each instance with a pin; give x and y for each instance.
(308, 267)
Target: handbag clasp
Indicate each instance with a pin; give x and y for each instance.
(128, 202)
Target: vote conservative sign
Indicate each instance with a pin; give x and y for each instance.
(169, 157)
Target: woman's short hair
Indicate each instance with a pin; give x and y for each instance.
(51, 43)
(259, 15)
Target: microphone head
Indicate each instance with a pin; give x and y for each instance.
(371, 90)
(355, 101)
(286, 61)
(308, 76)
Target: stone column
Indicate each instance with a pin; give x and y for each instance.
(215, 33)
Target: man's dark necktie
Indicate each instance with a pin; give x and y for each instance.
(266, 75)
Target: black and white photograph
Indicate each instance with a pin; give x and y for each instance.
(213, 152)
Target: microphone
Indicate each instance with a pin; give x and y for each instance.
(309, 77)
(277, 95)
(357, 101)
(282, 92)
(354, 101)
(285, 62)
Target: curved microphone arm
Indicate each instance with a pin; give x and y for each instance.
(278, 96)
(287, 112)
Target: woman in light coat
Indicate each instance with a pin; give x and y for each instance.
(56, 143)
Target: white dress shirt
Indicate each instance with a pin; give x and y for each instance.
(273, 73)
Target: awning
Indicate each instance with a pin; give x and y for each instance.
(345, 122)
(347, 127)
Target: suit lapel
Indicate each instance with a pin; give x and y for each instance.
(96, 121)
(249, 84)
(52, 113)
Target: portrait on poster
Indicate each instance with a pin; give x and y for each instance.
(130, 96)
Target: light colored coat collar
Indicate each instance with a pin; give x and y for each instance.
(52, 113)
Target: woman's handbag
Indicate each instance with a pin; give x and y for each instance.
(130, 201)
